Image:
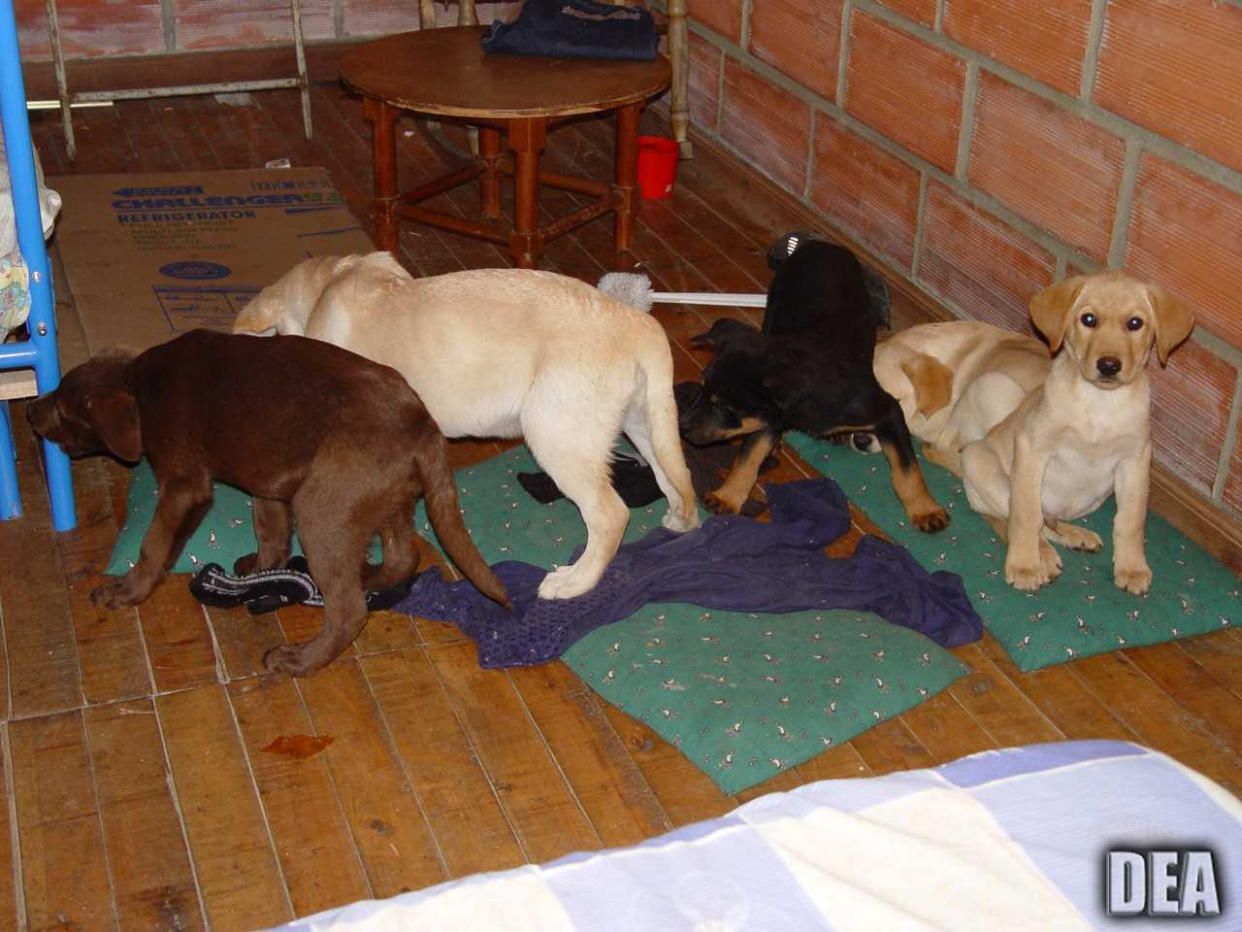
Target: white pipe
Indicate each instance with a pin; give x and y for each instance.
(55, 104)
(713, 298)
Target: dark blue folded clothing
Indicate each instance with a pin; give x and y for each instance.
(731, 563)
(576, 29)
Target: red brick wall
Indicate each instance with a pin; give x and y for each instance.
(986, 148)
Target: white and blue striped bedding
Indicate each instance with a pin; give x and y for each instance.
(1009, 839)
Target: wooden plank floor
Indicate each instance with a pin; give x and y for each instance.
(141, 790)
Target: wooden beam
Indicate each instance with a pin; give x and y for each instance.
(125, 71)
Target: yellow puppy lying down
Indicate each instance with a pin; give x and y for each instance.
(509, 353)
(1041, 439)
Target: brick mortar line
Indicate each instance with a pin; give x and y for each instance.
(1161, 145)
(1229, 442)
(843, 53)
(1120, 238)
(810, 157)
(1091, 54)
(338, 19)
(975, 197)
(168, 25)
(1153, 142)
(1218, 347)
(744, 26)
(938, 19)
(972, 196)
(966, 132)
(916, 252)
(1061, 270)
(874, 256)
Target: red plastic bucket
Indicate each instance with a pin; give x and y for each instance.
(657, 166)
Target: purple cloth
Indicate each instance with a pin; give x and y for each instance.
(730, 563)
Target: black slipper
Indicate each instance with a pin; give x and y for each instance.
(269, 590)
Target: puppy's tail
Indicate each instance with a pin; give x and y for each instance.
(440, 494)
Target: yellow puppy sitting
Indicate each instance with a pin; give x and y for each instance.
(1084, 434)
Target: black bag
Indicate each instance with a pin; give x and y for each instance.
(576, 29)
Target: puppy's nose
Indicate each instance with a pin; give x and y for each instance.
(1108, 366)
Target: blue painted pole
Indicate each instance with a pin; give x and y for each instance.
(10, 498)
(42, 320)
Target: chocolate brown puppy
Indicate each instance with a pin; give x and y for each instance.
(313, 433)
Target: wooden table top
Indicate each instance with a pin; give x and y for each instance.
(446, 72)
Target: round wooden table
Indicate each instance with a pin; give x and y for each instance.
(445, 73)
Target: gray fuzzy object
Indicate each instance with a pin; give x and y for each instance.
(630, 288)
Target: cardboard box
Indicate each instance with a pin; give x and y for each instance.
(148, 256)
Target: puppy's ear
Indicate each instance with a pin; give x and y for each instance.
(1050, 309)
(113, 415)
(1173, 321)
(932, 381)
(722, 333)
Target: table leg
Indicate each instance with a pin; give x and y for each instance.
(489, 182)
(384, 150)
(625, 189)
(679, 52)
(526, 139)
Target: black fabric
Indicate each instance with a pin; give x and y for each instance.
(576, 29)
(631, 477)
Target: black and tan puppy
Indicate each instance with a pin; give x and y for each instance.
(808, 369)
(310, 431)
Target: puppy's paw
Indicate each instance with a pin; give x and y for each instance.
(1079, 538)
(930, 521)
(1026, 578)
(289, 659)
(119, 593)
(565, 582)
(722, 502)
(1136, 579)
(681, 523)
(1049, 559)
(1027, 575)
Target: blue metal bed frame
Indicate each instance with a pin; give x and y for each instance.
(39, 351)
